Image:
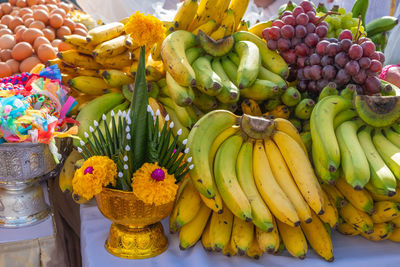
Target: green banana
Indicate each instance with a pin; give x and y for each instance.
(174, 56)
(208, 81)
(286, 7)
(181, 112)
(179, 129)
(343, 116)
(230, 69)
(387, 89)
(388, 151)
(306, 126)
(382, 178)
(162, 82)
(291, 97)
(229, 92)
(231, 106)
(204, 102)
(380, 41)
(348, 92)
(164, 91)
(260, 90)
(393, 136)
(306, 138)
(360, 8)
(249, 65)
(354, 162)
(394, 87)
(127, 93)
(153, 89)
(382, 24)
(226, 179)
(193, 53)
(266, 74)
(296, 122)
(328, 90)
(273, 102)
(183, 96)
(304, 108)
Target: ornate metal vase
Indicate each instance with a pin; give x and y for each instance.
(136, 232)
(22, 201)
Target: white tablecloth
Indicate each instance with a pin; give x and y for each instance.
(349, 251)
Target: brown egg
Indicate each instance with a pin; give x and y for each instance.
(50, 2)
(62, 31)
(46, 52)
(62, 46)
(65, 6)
(44, 7)
(16, 21)
(5, 31)
(31, 2)
(56, 21)
(6, 8)
(49, 34)
(25, 10)
(28, 64)
(80, 32)
(70, 24)
(37, 25)
(14, 13)
(1, 13)
(59, 11)
(40, 2)
(41, 15)
(5, 70)
(6, 19)
(19, 33)
(12, 2)
(2, 26)
(80, 26)
(39, 41)
(51, 7)
(27, 16)
(21, 3)
(13, 64)
(18, 28)
(28, 22)
(21, 51)
(55, 43)
(7, 41)
(31, 34)
(5, 54)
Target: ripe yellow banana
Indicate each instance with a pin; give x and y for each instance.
(220, 7)
(379, 197)
(381, 231)
(89, 85)
(185, 14)
(116, 78)
(239, 8)
(288, 128)
(206, 239)
(347, 229)
(294, 240)
(228, 21)
(258, 28)
(395, 235)
(117, 62)
(242, 235)
(268, 241)
(243, 26)
(260, 213)
(357, 218)
(207, 27)
(220, 229)
(203, 14)
(86, 72)
(188, 205)
(254, 251)
(331, 215)
(74, 58)
(105, 32)
(273, 195)
(130, 44)
(219, 33)
(110, 48)
(191, 232)
(75, 39)
(396, 221)
(226, 178)
(360, 199)
(334, 195)
(68, 171)
(173, 228)
(251, 107)
(385, 211)
(280, 111)
(230, 250)
(285, 180)
(318, 237)
(301, 170)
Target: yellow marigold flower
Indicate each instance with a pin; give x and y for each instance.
(95, 173)
(153, 185)
(145, 30)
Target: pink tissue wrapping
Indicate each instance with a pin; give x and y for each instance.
(386, 69)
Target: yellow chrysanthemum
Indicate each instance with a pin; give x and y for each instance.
(96, 172)
(153, 185)
(145, 30)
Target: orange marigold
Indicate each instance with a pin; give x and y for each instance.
(95, 173)
(153, 185)
(145, 30)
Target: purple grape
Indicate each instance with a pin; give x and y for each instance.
(283, 44)
(372, 85)
(315, 59)
(329, 72)
(352, 67)
(368, 48)
(321, 84)
(342, 77)
(326, 60)
(301, 50)
(311, 16)
(381, 57)
(355, 52)
(295, 41)
(310, 27)
(301, 31)
(272, 45)
(346, 34)
(375, 55)
(289, 56)
(287, 31)
(345, 44)
(278, 23)
(302, 85)
(297, 10)
(312, 86)
(274, 33)
(332, 49)
(307, 62)
(322, 31)
(323, 23)
(286, 13)
(311, 39)
(307, 72)
(307, 6)
(364, 62)
(321, 47)
(301, 62)
(289, 20)
(376, 66)
(300, 72)
(265, 34)
(316, 72)
(341, 59)
(360, 77)
(302, 19)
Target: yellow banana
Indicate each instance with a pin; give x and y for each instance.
(89, 85)
(285, 180)
(105, 32)
(228, 21)
(173, 228)
(318, 237)
(185, 14)
(334, 195)
(230, 250)
(396, 221)
(294, 240)
(381, 231)
(75, 39)
(203, 14)
(331, 215)
(219, 33)
(301, 169)
(68, 171)
(288, 128)
(220, 229)
(74, 58)
(360, 199)
(191, 232)
(378, 197)
(129, 43)
(347, 229)
(280, 111)
(357, 218)
(117, 62)
(385, 211)
(207, 27)
(188, 205)
(133, 68)
(242, 235)
(220, 7)
(239, 8)
(154, 72)
(116, 78)
(273, 195)
(205, 237)
(268, 241)
(254, 251)
(110, 48)
(251, 107)
(258, 28)
(86, 72)
(395, 235)
(243, 26)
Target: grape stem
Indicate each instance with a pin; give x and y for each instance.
(358, 33)
(326, 14)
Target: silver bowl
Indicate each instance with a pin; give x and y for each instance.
(22, 201)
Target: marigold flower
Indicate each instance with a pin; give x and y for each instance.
(153, 185)
(145, 30)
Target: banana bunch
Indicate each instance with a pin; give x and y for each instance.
(378, 29)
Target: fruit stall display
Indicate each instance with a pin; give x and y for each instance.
(291, 132)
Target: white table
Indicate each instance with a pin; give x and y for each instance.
(348, 251)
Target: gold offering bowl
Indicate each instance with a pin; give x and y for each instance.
(136, 232)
